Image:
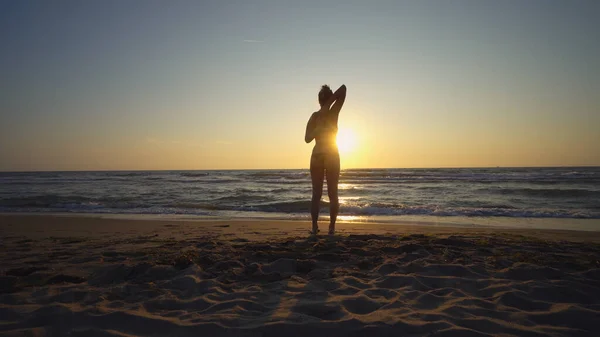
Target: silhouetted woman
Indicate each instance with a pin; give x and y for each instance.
(325, 159)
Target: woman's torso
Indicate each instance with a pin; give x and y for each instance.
(325, 139)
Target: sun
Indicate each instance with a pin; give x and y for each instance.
(346, 140)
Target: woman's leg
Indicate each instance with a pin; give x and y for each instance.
(317, 175)
(332, 167)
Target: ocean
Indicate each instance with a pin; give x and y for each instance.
(365, 194)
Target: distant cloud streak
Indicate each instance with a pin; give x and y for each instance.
(158, 141)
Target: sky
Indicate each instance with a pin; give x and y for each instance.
(183, 85)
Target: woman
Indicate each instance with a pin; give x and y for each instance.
(325, 159)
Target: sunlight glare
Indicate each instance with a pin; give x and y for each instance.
(346, 140)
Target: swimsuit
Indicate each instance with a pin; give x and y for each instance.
(325, 153)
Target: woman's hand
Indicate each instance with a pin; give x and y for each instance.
(337, 99)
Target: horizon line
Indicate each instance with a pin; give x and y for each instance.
(304, 168)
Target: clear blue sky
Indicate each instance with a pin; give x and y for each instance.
(230, 84)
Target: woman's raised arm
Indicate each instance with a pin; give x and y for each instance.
(337, 99)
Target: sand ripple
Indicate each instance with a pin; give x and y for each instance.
(351, 285)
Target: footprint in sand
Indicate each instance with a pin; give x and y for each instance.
(361, 305)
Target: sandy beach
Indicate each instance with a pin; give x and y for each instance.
(93, 276)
